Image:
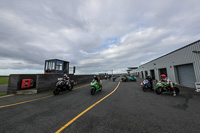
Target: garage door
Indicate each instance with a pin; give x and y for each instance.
(186, 75)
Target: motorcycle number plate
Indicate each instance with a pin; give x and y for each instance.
(92, 83)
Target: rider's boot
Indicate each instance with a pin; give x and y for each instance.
(174, 92)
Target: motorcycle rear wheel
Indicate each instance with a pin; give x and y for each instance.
(101, 88)
(177, 90)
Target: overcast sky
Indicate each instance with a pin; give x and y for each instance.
(93, 35)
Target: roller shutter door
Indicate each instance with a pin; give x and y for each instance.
(186, 75)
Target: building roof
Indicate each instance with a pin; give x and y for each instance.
(131, 68)
(173, 51)
(56, 60)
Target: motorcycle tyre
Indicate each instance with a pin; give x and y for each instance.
(70, 88)
(177, 90)
(144, 89)
(93, 90)
(159, 90)
(56, 92)
(100, 88)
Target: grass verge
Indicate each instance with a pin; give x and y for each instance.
(2, 94)
(4, 80)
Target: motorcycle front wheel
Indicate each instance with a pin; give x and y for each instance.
(159, 90)
(93, 90)
(144, 89)
(56, 91)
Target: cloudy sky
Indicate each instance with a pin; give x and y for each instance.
(93, 35)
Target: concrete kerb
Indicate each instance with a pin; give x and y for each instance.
(7, 96)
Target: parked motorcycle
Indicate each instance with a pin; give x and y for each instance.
(147, 86)
(62, 85)
(163, 87)
(95, 86)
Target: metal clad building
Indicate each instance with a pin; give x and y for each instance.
(181, 66)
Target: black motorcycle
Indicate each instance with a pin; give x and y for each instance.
(113, 77)
(124, 79)
(62, 85)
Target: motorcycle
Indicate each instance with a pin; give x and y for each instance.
(124, 79)
(163, 87)
(147, 86)
(113, 77)
(109, 77)
(105, 77)
(95, 86)
(62, 85)
(133, 79)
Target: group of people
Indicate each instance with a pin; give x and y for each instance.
(164, 79)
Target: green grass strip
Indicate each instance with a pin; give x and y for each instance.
(4, 80)
(2, 94)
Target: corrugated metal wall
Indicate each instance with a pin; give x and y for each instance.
(180, 57)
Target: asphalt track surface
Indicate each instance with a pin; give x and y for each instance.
(3, 88)
(127, 110)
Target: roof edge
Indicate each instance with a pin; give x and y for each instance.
(172, 52)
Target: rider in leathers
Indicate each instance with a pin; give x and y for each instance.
(66, 80)
(97, 79)
(165, 79)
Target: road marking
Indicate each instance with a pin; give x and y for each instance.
(25, 101)
(86, 110)
(34, 99)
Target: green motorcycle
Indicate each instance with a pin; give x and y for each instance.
(95, 86)
(163, 87)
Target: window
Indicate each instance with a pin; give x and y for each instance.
(46, 65)
(50, 65)
(59, 65)
(53, 67)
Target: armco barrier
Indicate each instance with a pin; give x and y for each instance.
(44, 82)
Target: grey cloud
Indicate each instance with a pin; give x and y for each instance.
(32, 31)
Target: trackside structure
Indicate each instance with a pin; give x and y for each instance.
(181, 66)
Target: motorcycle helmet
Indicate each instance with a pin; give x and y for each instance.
(163, 76)
(95, 77)
(65, 76)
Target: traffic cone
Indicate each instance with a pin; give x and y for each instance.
(141, 84)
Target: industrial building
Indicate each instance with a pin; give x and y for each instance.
(181, 66)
